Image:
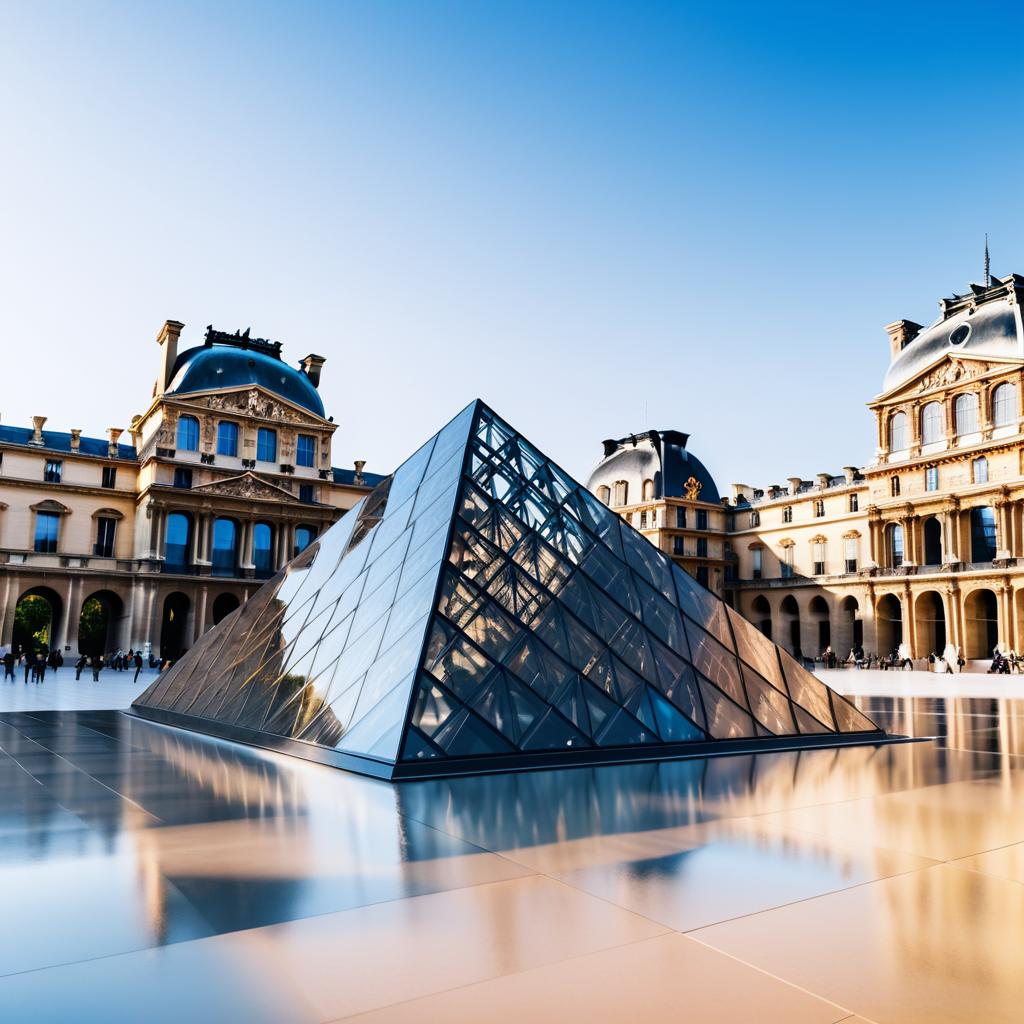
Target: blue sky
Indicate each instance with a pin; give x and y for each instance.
(598, 217)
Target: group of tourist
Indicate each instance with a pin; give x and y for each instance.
(36, 663)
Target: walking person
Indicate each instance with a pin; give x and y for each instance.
(138, 666)
(27, 659)
(9, 666)
(97, 664)
(79, 665)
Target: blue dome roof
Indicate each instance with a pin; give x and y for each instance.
(223, 366)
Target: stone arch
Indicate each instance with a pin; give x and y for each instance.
(849, 626)
(822, 620)
(37, 617)
(174, 626)
(789, 620)
(761, 615)
(981, 623)
(223, 605)
(889, 623)
(101, 623)
(930, 629)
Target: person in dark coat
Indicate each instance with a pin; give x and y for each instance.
(97, 664)
(8, 665)
(79, 665)
(138, 666)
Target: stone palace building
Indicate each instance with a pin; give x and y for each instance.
(925, 545)
(224, 477)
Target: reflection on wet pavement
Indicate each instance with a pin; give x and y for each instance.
(153, 872)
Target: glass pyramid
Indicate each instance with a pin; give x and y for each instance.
(480, 610)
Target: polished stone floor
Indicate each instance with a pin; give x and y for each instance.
(150, 874)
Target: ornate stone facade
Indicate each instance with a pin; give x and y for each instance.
(227, 476)
(925, 545)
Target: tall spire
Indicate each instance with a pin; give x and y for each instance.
(988, 275)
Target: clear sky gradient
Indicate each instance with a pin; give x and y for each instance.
(599, 218)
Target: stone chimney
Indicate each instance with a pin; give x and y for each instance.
(794, 484)
(113, 433)
(741, 493)
(311, 366)
(358, 479)
(167, 339)
(824, 479)
(37, 430)
(901, 334)
(850, 472)
(76, 439)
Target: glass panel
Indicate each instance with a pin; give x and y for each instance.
(849, 718)
(672, 725)
(770, 708)
(756, 649)
(553, 732)
(702, 606)
(726, 720)
(650, 563)
(409, 475)
(807, 690)
(379, 731)
(711, 659)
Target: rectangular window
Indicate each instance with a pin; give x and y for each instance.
(819, 508)
(931, 478)
(818, 557)
(105, 529)
(755, 518)
(109, 476)
(678, 547)
(227, 438)
(850, 553)
(643, 520)
(702, 519)
(305, 450)
(756, 556)
(680, 518)
(854, 503)
(981, 470)
(266, 445)
(182, 477)
(47, 529)
(52, 472)
(702, 575)
(306, 494)
(894, 486)
(787, 563)
(702, 547)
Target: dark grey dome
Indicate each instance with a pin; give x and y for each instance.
(658, 455)
(988, 327)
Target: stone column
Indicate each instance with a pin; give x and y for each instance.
(247, 540)
(67, 632)
(7, 610)
(154, 531)
(1003, 604)
(910, 622)
(1002, 529)
(161, 544)
(199, 626)
(868, 615)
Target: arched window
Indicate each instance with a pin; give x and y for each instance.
(176, 544)
(898, 441)
(787, 514)
(983, 534)
(1004, 405)
(227, 438)
(819, 508)
(621, 492)
(263, 549)
(225, 547)
(304, 536)
(966, 413)
(895, 545)
(648, 491)
(188, 434)
(931, 423)
(980, 470)
(604, 493)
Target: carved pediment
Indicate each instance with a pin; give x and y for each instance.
(248, 486)
(952, 371)
(256, 402)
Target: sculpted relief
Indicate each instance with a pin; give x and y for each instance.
(950, 373)
(246, 486)
(255, 403)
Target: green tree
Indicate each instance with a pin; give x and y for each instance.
(92, 627)
(32, 620)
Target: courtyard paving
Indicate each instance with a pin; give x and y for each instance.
(153, 874)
